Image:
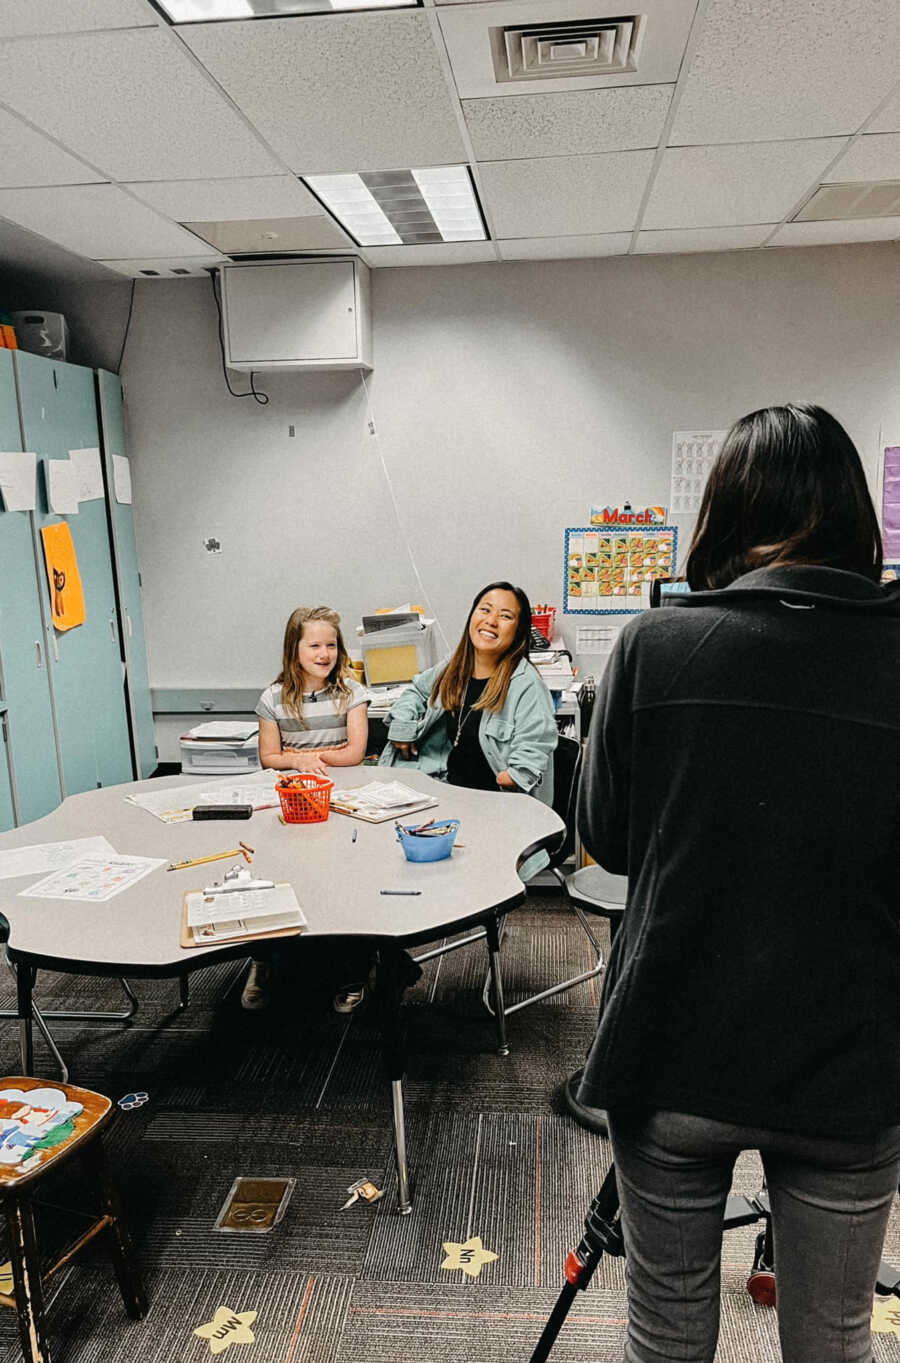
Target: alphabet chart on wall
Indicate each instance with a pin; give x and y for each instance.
(609, 571)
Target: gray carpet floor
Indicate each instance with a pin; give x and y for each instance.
(298, 1091)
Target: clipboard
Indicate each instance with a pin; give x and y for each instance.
(188, 941)
(385, 815)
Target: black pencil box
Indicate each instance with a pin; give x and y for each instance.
(221, 811)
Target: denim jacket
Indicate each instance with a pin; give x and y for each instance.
(520, 738)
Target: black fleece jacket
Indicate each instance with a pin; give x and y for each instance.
(743, 769)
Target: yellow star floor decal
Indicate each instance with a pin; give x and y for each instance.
(227, 1327)
(886, 1316)
(470, 1256)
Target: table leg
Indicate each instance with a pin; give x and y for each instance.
(492, 928)
(394, 1061)
(26, 1269)
(24, 982)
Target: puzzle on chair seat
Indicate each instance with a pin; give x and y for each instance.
(34, 1121)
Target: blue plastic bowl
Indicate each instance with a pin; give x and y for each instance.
(429, 849)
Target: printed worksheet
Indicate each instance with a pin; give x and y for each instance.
(176, 804)
(50, 856)
(94, 879)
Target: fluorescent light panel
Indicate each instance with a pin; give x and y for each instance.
(403, 207)
(208, 11)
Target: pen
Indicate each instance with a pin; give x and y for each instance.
(399, 891)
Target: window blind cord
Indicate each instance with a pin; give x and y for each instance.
(261, 398)
(373, 431)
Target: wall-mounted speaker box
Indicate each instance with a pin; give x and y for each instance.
(298, 314)
(42, 333)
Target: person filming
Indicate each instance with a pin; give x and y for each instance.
(741, 770)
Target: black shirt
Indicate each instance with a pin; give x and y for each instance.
(467, 764)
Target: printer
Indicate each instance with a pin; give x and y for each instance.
(220, 748)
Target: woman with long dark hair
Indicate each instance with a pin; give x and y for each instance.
(483, 718)
(742, 771)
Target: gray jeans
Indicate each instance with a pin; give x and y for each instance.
(830, 1202)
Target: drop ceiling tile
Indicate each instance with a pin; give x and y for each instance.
(872, 157)
(339, 92)
(465, 29)
(97, 221)
(728, 186)
(565, 195)
(29, 158)
(764, 69)
(441, 253)
(688, 239)
(262, 196)
(168, 268)
(566, 248)
(552, 125)
(273, 234)
(834, 233)
(132, 103)
(888, 121)
(22, 18)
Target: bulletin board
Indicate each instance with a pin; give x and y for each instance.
(608, 570)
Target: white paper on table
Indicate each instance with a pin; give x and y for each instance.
(242, 904)
(94, 879)
(88, 473)
(17, 480)
(379, 795)
(50, 856)
(62, 486)
(122, 479)
(175, 804)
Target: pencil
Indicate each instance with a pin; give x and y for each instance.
(198, 861)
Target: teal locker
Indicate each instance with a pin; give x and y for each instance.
(58, 411)
(30, 765)
(128, 581)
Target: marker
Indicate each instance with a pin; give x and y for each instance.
(399, 891)
(355, 831)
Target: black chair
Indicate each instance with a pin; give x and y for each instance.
(588, 890)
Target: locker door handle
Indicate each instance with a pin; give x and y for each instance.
(38, 655)
(128, 624)
(112, 630)
(55, 647)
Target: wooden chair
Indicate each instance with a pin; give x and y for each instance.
(18, 1185)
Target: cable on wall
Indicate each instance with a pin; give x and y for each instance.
(261, 398)
(127, 328)
(373, 430)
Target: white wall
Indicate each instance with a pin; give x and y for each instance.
(507, 398)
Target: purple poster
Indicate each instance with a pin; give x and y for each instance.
(890, 504)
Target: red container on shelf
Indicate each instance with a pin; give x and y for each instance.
(305, 798)
(545, 622)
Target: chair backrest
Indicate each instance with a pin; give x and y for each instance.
(566, 771)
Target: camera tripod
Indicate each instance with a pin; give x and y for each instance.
(603, 1235)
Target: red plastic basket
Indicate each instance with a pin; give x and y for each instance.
(544, 621)
(307, 799)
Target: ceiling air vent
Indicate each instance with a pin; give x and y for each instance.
(578, 48)
(865, 199)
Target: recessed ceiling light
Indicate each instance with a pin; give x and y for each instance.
(403, 207)
(208, 11)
